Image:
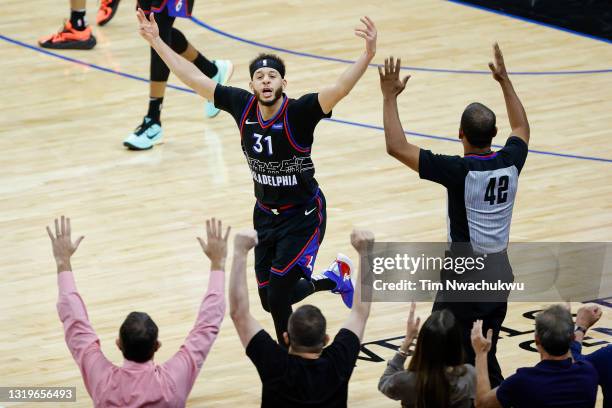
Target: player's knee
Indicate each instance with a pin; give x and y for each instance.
(178, 43)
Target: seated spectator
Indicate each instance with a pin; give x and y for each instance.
(306, 374)
(436, 375)
(556, 381)
(139, 382)
(601, 359)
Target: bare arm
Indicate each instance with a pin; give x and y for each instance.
(331, 95)
(516, 112)
(188, 73)
(485, 396)
(356, 322)
(395, 139)
(245, 323)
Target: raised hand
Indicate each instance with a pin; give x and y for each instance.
(147, 26)
(587, 316)
(362, 240)
(62, 244)
(480, 344)
(368, 33)
(244, 241)
(215, 246)
(412, 325)
(498, 69)
(390, 83)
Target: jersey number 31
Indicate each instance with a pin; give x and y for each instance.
(258, 147)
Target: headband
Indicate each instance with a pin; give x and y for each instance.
(267, 63)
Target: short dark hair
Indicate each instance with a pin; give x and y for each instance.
(306, 329)
(138, 335)
(279, 64)
(478, 124)
(554, 328)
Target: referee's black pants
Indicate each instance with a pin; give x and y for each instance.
(490, 308)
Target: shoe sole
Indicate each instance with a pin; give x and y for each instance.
(134, 147)
(71, 45)
(112, 14)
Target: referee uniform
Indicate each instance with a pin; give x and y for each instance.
(481, 192)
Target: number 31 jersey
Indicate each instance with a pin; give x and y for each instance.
(277, 150)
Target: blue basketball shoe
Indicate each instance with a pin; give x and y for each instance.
(340, 272)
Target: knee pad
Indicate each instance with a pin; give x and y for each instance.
(159, 71)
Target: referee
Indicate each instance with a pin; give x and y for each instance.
(481, 188)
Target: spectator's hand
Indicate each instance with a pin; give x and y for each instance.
(498, 69)
(147, 26)
(369, 34)
(390, 83)
(244, 241)
(412, 328)
(62, 244)
(587, 316)
(362, 240)
(479, 343)
(215, 246)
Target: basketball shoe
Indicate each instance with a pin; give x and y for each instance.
(225, 69)
(340, 272)
(107, 11)
(69, 38)
(146, 135)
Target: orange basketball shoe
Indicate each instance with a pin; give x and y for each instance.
(107, 11)
(69, 39)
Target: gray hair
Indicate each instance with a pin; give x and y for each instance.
(554, 328)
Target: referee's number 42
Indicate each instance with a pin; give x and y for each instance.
(502, 190)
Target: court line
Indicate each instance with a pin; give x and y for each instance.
(422, 69)
(340, 121)
(529, 20)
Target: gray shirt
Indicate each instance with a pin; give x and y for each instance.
(399, 384)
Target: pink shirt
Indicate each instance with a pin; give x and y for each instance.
(139, 384)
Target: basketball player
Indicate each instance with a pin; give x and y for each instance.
(481, 189)
(150, 132)
(276, 137)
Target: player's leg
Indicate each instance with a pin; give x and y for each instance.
(76, 34)
(219, 71)
(150, 131)
(107, 11)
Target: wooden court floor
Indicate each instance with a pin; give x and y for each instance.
(63, 123)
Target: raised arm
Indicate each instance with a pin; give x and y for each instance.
(395, 139)
(331, 95)
(185, 365)
(81, 339)
(245, 323)
(356, 322)
(485, 396)
(183, 69)
(516, 113)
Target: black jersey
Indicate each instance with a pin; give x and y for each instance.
(481, 192)
(277, 150)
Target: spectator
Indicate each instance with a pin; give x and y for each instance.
(307, 374)
(139, 382)
(556, 381)
(436, 375)
(601, 359)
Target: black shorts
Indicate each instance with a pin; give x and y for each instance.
(159, 5)
(288, 238)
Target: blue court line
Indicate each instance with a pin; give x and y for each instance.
(346, 61)
(341, 121)
(529, 20)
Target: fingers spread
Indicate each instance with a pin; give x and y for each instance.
(50, 233)
(227, 232)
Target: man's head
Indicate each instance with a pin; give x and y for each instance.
(138, 337)
(307, 327)
(267, 78)
(477, 126)
(554, 330)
